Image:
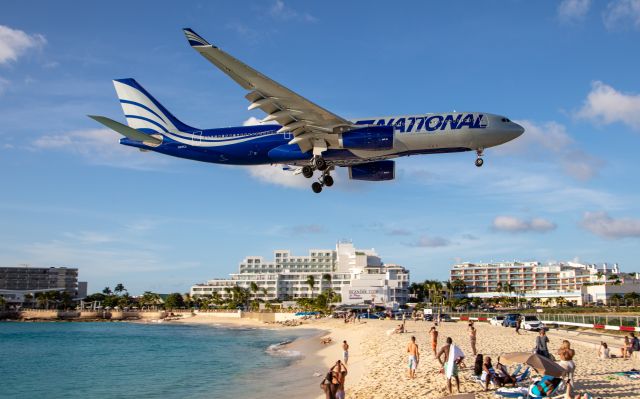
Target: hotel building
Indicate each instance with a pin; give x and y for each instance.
(358, 275)
(575, 282)
(15, 282)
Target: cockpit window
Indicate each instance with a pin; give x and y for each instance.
(505, 120)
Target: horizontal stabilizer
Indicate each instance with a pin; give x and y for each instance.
(126, 131)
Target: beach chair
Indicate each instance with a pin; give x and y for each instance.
(547, 387)
(518, 392)
(516, 371)
(524, 377)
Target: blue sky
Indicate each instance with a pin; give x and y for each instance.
(72, 196)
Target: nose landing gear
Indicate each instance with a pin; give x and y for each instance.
(479, 160)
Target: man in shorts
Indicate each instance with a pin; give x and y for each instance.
(414, 357)
(445, 350)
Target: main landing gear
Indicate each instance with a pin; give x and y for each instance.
(320, 164)
(479, 161)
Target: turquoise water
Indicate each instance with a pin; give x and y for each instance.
(123, 360)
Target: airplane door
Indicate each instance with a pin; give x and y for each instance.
(197, 137)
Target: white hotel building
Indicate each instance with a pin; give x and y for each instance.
(575, 282)
(358, 275)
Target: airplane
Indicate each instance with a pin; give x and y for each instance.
(298, 134)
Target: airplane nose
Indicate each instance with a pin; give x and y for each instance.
(518, 130)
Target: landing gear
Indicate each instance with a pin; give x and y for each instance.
(324, 180)
(479, 161)
(327, 180)
(307, 171)
(319, 163)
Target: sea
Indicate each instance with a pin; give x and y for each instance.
(125, 360)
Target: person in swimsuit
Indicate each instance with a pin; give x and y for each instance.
(340, 371)
(566, 355)
(414, 357)
(330, 385)
(603, 351)
(472, 338)
(434, 340)
(445, 351)
(488, 373)
(345, 350)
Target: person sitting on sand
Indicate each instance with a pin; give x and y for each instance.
(434, 340)
(488, 373)
(399, 329)
(503, 374)
(566, 355)
(414, 357)
(603, 351)
(325, 340)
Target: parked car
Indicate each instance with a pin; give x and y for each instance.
(510, 319)
(372, 316)
(428, 317)
(445, 317)
(532, 323)
(496, 320)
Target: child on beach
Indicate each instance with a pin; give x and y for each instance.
(566, 355)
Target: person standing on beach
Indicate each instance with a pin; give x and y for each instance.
(340, 371)
(434, 340)
(330, 385)
(472, 337)
(446, 350)
(518, 324)
(414, 357)
(345, 349)
(541, 344)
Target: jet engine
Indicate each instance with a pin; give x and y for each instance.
(368, 138)
(373, 171)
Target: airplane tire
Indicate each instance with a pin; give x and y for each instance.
(307, 172)
(328, 181)
(479, 162)
(320, 163)
(316, 187)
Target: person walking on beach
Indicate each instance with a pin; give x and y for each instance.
(330, 385)
(340, 370)
(434, 340)
(414, 357)
(345, 351)
(518, 324)
(566, 355)
(472, 337)
(450, 370)
(541, 344)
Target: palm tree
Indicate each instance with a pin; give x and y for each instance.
(325, 278)
(311, 282)
(107, 291)
(119, 288)
(227, 290)
(617, 298)
(254, 288)
(264, 293)
(215, 296)
(2, 302)
(631, 297)
(458, 286)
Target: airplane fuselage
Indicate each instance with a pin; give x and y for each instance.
(262, 144)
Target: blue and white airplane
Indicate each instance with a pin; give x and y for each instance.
(298, 133)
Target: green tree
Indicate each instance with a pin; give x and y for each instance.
(458, 286)
(254, 288)
(3, 302)
(311, 282)
(119, 289)
(631, 297)
(616, 298)
(150, 299)
(174, 301)
(561, 301)
(107, 291)
(66, 301)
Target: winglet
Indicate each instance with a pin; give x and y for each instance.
(195, 39)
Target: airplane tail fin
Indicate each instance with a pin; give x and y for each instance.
(145, 113)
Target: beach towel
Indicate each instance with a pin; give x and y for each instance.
(517, 392)
(632, 374)
(455, 353)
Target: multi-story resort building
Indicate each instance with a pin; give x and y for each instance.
(15, 282)
(575, 282)
(358, 275)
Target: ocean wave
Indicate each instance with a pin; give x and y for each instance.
(280, 350)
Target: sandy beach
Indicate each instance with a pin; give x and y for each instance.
(378, 362)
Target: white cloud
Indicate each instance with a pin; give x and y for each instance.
(430, 242)
(14, 43)
(606, 105)
(600, 223)
(573, 10)
(516, 225)
(307, 229)
(274, 174)
(281, 11)
(101, 147)
(622, 14)
(551, 141)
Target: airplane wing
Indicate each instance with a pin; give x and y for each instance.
(311, 125)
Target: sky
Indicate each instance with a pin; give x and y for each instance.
(568, 189)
